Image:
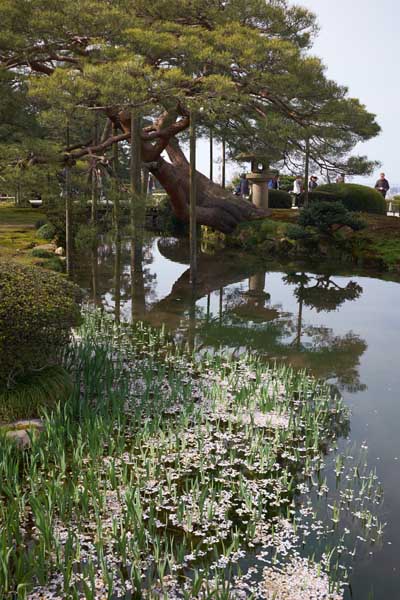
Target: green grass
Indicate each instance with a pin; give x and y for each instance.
(41, 390)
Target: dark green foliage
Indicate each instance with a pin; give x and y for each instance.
(40, 222)
(296, 232)
(86, 237)
(46, 231)
(279, 199)
(166, 220)
(56, 216)
(325, 215)
(38, 390)
(286, 182)
(319, 196)
(37, 311)
(358, 198)
(54, 264)
(40, 253)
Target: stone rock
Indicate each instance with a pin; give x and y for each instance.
(20, 437)
(59, 251)
(47, 247)
(20, 431)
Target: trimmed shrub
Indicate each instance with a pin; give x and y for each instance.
(286, 182)
(279, 199)
(40, 222)
(357, 198)
(37, 311)
(325, 215)
(298, 233)
(46, 231)
(40, 253)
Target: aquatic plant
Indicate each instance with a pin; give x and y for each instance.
(167, 475)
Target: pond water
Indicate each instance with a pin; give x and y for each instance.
(343, 327)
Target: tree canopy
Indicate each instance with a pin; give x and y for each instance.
(244, 66)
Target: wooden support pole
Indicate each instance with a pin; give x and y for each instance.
(307, 171)
(193, 211)
(135, 166)
(68, 212)
(223, 173)
(116, 211)
(95, 183)
(211, 154)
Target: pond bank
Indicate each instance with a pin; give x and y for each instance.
(377, 246)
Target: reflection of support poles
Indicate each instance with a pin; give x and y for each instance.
(138, 299)
(192, 325)
(193, 220)
(221, 297)
(95, 278)
(208, 307)
(299, 322)
(117, 279)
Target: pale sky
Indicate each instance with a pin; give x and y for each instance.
(359, 42)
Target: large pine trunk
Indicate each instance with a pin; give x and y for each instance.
(216, 207)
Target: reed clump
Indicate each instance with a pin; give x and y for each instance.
(167, 475)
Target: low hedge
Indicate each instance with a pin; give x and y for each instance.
(37, 311)
(279, 199)
(357, 198)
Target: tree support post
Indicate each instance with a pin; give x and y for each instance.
(95, 183)
(116, 211)
(68, 212)
(307, 171)
(223, 170)
(135, 166)
(193, 220)
(211, 154)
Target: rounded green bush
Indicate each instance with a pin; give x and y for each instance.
(41, 253)
(46, 231)
(38, 308)
(279, 199)
(40, 222)
(358, 198)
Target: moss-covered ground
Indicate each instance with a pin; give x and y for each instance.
(18, 236)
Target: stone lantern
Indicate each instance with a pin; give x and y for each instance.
(258, 178)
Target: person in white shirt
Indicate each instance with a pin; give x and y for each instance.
(297, 189)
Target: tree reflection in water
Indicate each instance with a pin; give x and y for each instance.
(232, 317)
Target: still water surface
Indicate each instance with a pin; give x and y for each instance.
(344, 328)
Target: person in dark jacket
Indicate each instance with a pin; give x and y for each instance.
(244, 186)
(382, 185)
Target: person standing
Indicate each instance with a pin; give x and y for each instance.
(297, 189)
(313, 183)
(244, 189)
(340, 178)
(382, 185)
(275, 182)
